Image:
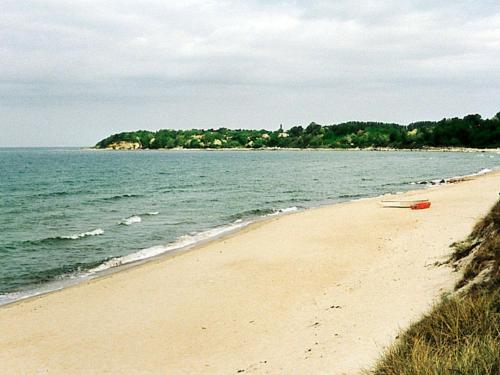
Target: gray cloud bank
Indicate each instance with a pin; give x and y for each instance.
(72, 72)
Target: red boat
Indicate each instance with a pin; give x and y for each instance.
(420, 205)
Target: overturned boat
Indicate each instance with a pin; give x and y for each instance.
(413, 204)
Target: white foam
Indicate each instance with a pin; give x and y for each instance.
(50, 286)
(481, 172)
(284, 211)
(182, 242)
(95, 232)
(289, 209)
(153, 213)
(16, 296)
(361, 199)
(131, 220)
(447, 180)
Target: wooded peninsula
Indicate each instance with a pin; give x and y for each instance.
(472, 131)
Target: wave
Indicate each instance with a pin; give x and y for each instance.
(482, 171)
(186, 241)
(262, 212)
(176, 223)
(131, 220)
(294, 191)
(63, 193)
(182, 243)
(65, 271)
(284, 210)
(95, 232)
(49, 280)
(52, 194)
(134, 219)
(250, 213)
(440, 181)
(350, 196)
(119, 197)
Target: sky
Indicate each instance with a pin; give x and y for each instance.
(74, 72)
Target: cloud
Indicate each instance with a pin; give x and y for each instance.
(57, 52)
(241, 42)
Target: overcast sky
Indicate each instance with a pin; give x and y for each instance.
(73, 72)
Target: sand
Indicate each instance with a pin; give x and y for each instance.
(321, 291)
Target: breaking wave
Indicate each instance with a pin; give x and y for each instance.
(182, 243)
(186, 241)
(95, 232)
(284, 210)
(131, 220)
(440, 181)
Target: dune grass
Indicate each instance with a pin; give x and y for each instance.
(461, 335)
(483, 248)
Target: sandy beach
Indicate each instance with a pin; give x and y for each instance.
(321, 291)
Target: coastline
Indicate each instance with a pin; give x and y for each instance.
(258, 299)
(241, 149)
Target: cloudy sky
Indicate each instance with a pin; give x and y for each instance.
(72, 72)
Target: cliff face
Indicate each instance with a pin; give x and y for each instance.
(124, 145)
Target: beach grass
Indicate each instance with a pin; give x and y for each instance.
(461, 334)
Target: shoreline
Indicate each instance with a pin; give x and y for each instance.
(241, 149)
(309, 300)
(176, 247)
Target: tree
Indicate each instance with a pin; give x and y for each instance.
(313, 128)
(469, 131)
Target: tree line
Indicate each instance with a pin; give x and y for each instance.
(469, 131)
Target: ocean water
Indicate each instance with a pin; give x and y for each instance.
(66, 214)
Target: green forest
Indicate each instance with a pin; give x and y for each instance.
(470, 131)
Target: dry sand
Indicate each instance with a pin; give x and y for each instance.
(321, 291)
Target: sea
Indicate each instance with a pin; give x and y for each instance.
(69, 214)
